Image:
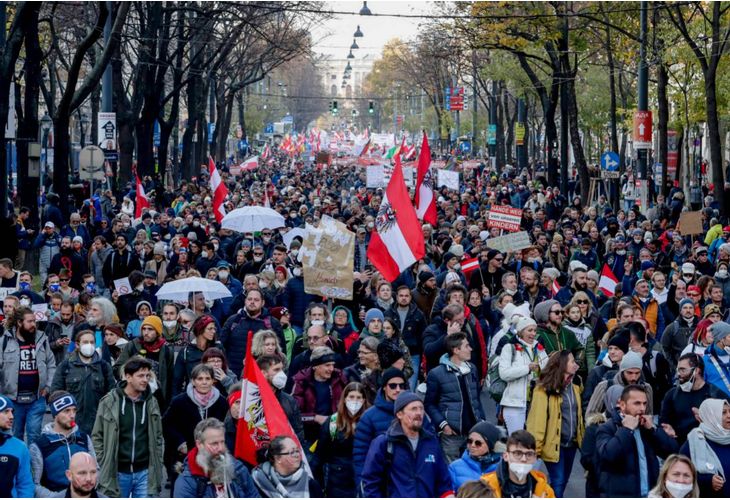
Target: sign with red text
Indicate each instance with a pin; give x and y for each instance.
(504, 217)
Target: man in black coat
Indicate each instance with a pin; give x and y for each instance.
(68, 259)
(412, 323)
(627, 447)
(120, 263)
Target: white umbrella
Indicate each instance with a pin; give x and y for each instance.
(252, 219)
(181, 289)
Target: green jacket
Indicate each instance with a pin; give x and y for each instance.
(564, 339)
(105, 437)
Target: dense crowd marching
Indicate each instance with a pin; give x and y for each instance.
(384, 393)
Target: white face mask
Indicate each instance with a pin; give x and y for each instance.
(297, 272)
(279, 380)
(170, 323)
(620, 252)
(353, 406)
(25, 302)
(722, 274)
(678, 490)
(87, 350)
(727, 349)
(317, 322)
(263, 284)
(607, 362)
(223, 275)
(520, 470)
(208, 304)
(140, 287)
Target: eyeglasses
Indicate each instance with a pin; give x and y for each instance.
(521, 455)
(499, 259)
(393, 386)
(258, 253)
(364, 352)
(581, 302)
(559, 313)
(293, 453)
(65, 279)
(315, 338)
(265, 234)
(690, 294)
(475, 442)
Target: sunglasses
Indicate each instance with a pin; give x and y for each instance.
(64, 279)
(257, 253)
(475, 442)
(559, 313)
(393, 386)
(581, 302)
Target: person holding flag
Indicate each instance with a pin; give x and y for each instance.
(219, 190)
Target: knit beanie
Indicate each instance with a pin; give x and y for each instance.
(233, 397)
(391, 373)
(404, 399)
(684, 301)
(719, 331)
(489, 432)
(153, 321)
(631, 360)
(620, 341)
(542, 310)
(424, 276)
(524, 323)
(372, 314)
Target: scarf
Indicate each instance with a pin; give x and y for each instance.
(274, 485)
(703, 456)
(154, 346)
(203, 399)
(383, 304)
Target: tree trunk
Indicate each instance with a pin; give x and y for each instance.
(663, 120)
(713, 137)
(578, 154)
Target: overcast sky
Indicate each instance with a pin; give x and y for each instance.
(334, 37)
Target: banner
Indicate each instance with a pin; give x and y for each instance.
(107, 129)
(690, 223)
(448, 178)
(504, 217)
(510, 242)
(328, 259)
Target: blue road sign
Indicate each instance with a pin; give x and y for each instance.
(211, 131)
(156, 134)
(269, 128)
(465, 146)
(610, 161)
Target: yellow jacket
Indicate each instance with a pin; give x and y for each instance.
(544, 422)
(542, 488)
(713, 233)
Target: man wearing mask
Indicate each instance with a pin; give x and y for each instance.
(207, 260)
(222, 307)
(68, 259)
(75, 228)
(151, 346)
(28, 367)
(86, 377)
(210, 470)
(60, 331)
(676, 336)
(120, 263)
(515, 476)
(650, 309)
(616, 260)
(273, 369)
(60, 440)
(172, 330)
(266, 242)
(628, 447)
(681, 403)
(16, 480)
(49, 243)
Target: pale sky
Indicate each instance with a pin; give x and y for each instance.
(334, 37)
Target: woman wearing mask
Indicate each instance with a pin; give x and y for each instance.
(480, 457)
(200, 400)
(224, 377)
(677, 479)
(556, 418)
(143, 310)
(333, 454)
(205, 335)
(708, 447)
(520, 363)
(283, 474)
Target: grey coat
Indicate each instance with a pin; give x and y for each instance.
(10, 362)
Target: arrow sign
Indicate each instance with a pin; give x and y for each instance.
(642, 130)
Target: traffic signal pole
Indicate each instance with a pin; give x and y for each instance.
(643, 103)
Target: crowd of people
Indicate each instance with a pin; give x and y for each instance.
(444, 382)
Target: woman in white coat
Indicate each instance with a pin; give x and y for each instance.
(519, 366)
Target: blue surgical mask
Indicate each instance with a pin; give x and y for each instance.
(54, 287)
(91, 288)
(24, 285)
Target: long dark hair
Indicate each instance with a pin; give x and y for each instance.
(345, 422)
(552, 377)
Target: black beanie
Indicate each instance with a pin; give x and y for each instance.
(620, 341)
(388, 353)
(424, 276)
(389, 374)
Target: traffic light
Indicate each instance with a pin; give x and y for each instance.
(334, 107)
(330, 106)
(371, 107)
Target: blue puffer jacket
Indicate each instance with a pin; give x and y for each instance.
(50, 457)
(444, 400)
(374, 422)
(467, 469)
(193, 483)
(712, 374)
(16, 479)
(393, 469)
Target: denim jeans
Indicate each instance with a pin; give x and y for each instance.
(28, 419)
(451, 446)
(132, 484)
(560, 471)
(416, 364)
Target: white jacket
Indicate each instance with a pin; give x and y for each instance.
(514, 368)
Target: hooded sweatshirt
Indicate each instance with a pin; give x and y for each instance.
(134, 453)
(203, 409)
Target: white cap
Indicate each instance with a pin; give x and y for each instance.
(688, 268)
(575, 265)
(457, 250)
(524, 323)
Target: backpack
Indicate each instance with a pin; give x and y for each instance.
(497, 386)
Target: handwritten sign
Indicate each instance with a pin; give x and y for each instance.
(448, 178)
(376, 176)
(510, 242)
(122, 286)
(690, 223)
(328, 258)
(504, 217)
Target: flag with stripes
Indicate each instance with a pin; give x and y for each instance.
(219, 190)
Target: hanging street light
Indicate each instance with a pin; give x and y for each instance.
(358, 33)
(365, 11)
(354, 45)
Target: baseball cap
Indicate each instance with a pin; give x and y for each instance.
(49, 224)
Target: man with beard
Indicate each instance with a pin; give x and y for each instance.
(28, 367)
(426, 292)
(119, 263)
(210, 471)
(50, 456)
(67, 258)
(60, 329)
(578, 283)
(101, 313)
(406, 447)
(81, 476)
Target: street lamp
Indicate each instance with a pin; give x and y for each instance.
(348, 68)
(358, 33)
(354, 45)
(365, 11)
(46, 124)
(350, 55)
(84, 128)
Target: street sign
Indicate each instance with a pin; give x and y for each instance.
(610, 165)
(91, 164)
(211, 132)
(642, 130)
(288, 119)
(156, 136)
(107, 127)
(465, 147)
(447, 98)
(492, 134)
(269, 129)
(672, 154)
(520, 134)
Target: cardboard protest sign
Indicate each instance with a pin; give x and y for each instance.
(328, 259)
(510, 242)
(690, 223)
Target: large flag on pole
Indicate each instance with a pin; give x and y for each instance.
(261, 418)
(397, 241)
(219, 190)
(425, 198)
(607, 283)
(141, 199)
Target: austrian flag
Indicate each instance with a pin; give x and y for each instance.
(141, 199)
(425, 197)
(398, 240)
(219, 190)
(607, 283)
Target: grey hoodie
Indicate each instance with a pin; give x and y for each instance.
(203, 410)
(597, 403)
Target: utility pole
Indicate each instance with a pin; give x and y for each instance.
(564, 151)
(473, 102)
(521, 124)
(493, 125)
(643, 102)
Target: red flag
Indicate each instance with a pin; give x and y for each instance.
(262, 417)
(425, 197)
(141, 199)
(397, 241)
(607, 283)
(468, 266)
(219, 190)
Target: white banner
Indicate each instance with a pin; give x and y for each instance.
(449, 178)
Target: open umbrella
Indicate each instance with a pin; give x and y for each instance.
(181, 289)
(252, 219)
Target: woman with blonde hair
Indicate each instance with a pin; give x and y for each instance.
(677, 479)
(266, 343)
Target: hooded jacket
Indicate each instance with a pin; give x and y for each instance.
(16, 479)
(107, 440)
(514, 368)
(194, 483)
(51, 455)
(374, 422)
(597, 402)
(545, 422)
(496, 478)
(164, 371)
(10, 363)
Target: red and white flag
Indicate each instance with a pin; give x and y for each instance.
(555, 288)
(608, 281)
(141, 199)
(250, 164)
(266, 153)
(468, 266)
(261, 418)
(425, 197)
(397, 241)
(219, 190)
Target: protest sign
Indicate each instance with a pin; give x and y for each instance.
(122, 286)
(448, 178)
(5, 291)
(375, 177)
(328, 258)
(504, 217)
(510, 242)
(690, 223)
(39, 311)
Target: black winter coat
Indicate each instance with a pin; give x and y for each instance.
(333, 463)
(236, 329)
(444, 399)
(415, 324)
